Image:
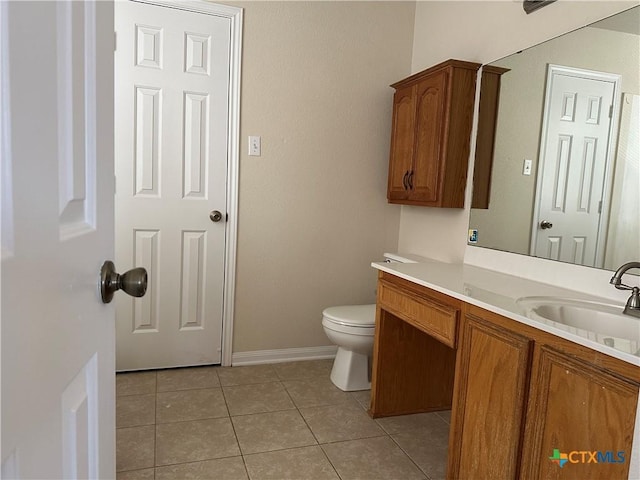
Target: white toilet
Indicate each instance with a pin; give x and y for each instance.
(351, 328)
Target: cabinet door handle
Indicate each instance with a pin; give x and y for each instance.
(404, 180)
(410, 180)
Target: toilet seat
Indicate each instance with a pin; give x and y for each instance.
(361, 316)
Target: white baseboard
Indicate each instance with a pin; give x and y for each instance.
(284, 355)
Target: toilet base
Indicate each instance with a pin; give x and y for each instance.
(351, 371)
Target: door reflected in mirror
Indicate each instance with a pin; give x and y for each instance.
(565, 149)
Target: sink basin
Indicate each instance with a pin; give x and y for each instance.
(604, 323)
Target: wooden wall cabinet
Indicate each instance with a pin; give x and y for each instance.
(486, 136)
(516, 393)
(430, 135)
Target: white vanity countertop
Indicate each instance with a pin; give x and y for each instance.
(498, 292)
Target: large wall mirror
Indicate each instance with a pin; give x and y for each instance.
(565, 174)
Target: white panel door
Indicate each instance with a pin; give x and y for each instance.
(172, 96)
(58, 338)
(573, 163)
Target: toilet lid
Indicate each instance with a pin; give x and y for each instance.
(355, 315)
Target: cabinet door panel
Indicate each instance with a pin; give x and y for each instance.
(577, 408)
(491, 392)
(430, 122)
(402, 138)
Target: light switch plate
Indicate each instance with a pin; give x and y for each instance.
(526, 167)
(254, 146)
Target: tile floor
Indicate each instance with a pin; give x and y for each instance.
(282, 421)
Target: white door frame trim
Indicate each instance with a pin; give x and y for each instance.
(235, 16)
(611, 149)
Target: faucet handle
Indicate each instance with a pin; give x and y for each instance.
(621, 286)
(633, 303)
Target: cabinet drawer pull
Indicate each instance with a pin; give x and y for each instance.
(410, 180)
(404, 180)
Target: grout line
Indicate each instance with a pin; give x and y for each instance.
(155, 449)
(235, 434)
(246, 469)
(330, 462)
(409, 457)
(186, 390)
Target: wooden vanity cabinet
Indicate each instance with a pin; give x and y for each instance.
(577, 405)
(521, 393)
(430, 138)
(414, 348)
(516, 393)
(490, 403)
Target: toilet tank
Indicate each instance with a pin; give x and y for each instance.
(403, 258)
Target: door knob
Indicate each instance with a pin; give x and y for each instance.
(215, 216)
(545, 224)
(133, 282)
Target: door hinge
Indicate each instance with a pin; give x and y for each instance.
(600, 206)
(610, 111)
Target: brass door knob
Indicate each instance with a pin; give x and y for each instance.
(133, 282)
(215, 216)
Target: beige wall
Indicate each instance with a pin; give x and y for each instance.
(313, 211)
(480, 31)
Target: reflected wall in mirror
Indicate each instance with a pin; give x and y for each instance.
(571, 107)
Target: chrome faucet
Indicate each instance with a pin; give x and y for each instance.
(633, 303)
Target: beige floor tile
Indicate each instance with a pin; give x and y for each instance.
(187, 405)
(146, 474)
(247, 375)
(135, 383)
(187, 378)
(335, 423)
(224, 468)
(257, 398)
(315, 392)
(293, 464)
(135, 410)
(135, 447)
(264, 432)
(195, 441)
(371, 459)
(427, 448)
(302, 370)
(445, 415)
(416, 423)
(363, 397)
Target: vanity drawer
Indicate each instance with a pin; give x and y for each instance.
(427, 314)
